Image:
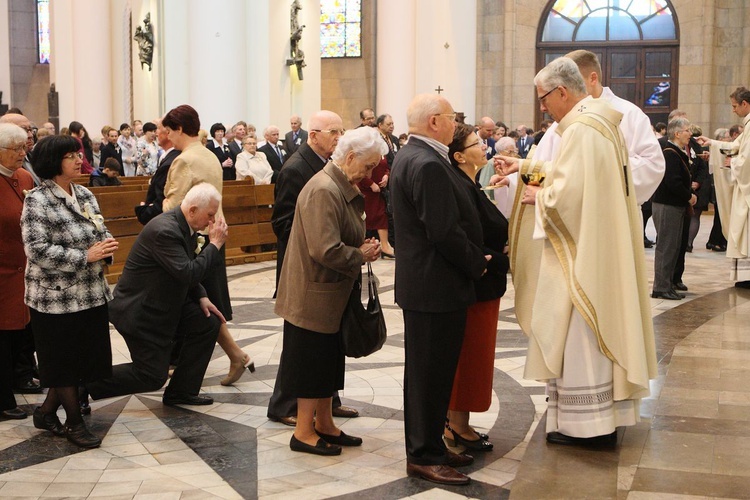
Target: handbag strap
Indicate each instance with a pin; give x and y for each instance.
(371, 286)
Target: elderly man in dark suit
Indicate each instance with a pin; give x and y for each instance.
(440, 256)
(275, 154)
(325, 128)
(295, 137)
(150, 208)
(159, 297)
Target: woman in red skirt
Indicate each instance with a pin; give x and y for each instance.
(472, 385)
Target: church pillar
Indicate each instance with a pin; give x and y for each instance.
(5, 86)
(80, 62)
(227, 59)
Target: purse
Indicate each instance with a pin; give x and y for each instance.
(363, 330)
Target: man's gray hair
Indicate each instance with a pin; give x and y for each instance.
(721, 133)
(562, 72)
(201, 195)
(11, 135)
(362, 140)
(421, 108)
(676, 125)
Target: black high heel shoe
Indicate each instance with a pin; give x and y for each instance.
(480, 444)
(482, 435)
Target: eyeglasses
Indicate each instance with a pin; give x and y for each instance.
(541, 99)
(451, 116)
(471, 146)
(17, 149)
(333, 131)
(73, 156)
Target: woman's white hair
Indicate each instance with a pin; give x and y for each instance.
(362, 140)
(505, 143)
(201, 195)
(562, 72)
(676, 125)
(11, 134)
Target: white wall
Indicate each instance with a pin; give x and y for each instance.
(5, 85)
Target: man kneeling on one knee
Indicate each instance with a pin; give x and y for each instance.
(159, 300)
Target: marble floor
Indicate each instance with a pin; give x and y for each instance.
(693, 441)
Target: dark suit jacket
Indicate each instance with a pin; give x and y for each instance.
(234, 150)
(440, 236)
(289, 142)
(272, 157)
(109, 151)
(524, 145)
(299, 169)
(155, 194)
(161, 273)
(223, 153)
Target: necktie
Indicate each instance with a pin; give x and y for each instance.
(278, 152)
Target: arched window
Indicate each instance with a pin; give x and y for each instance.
(637, 42)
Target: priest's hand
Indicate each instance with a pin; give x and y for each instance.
(703, 140)
(505, 165)
(529, 195)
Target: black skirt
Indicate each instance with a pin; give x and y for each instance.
(312, 363)
(217, 287)
(72, 348)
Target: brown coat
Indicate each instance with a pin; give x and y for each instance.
(14, 315)
(195, 164)
(323, 258)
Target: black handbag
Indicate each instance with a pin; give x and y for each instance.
(363, 330)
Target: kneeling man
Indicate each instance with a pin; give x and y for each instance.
(159, 299)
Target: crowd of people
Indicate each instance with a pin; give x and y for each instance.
(345, 198)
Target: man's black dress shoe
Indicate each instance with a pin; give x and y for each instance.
(13, 414)
(441, 474)
(647, 243)
(742, 284)
(48, 422)
(458, 459)
(345, 411)
(291, 421)
(606, 441)
(79, 435)
(186, 399)
(680, 286)
(669, 295)
(28, 387)
(341, 440)
(320, 448)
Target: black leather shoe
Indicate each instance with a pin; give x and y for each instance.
(479, 444)
(597, 442)
(83, 401)
(647, 243)
(186, 399)
(719, 248)
(48, 422)
(341, 440)
(669, 295)
(345, 411)
(458, 459)
(680, 286)
(28, 387)
(320, 448)
(13, 414)
(79, 435)
(742, 284)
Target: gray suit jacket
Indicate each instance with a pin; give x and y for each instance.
(290, 144)
(161, 272)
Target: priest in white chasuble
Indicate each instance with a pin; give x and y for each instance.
(733, 190)
(586, 306)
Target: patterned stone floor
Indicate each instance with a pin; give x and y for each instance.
(693, 441)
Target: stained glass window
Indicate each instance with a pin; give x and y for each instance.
(340, 28)
(609, 20)
(42, 16)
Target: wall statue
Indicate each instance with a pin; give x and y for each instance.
(145, 38)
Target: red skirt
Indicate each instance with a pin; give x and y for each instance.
(472, 385)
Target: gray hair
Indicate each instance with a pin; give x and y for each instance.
(201, 195)
(362, 140)
(677, 124)
(505, 143)
(11, 134)
(721, 133)
(421, 108)
(562, 72)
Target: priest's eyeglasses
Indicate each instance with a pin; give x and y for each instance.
(541, 99)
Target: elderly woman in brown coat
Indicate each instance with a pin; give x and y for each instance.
(326, 250)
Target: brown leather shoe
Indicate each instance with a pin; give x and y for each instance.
(441, 474)
(458, 460)
(345, 411)
(291, 421)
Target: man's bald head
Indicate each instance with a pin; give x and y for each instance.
(24, 123)
(486, 127)
(324, 129)
(432, 116)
